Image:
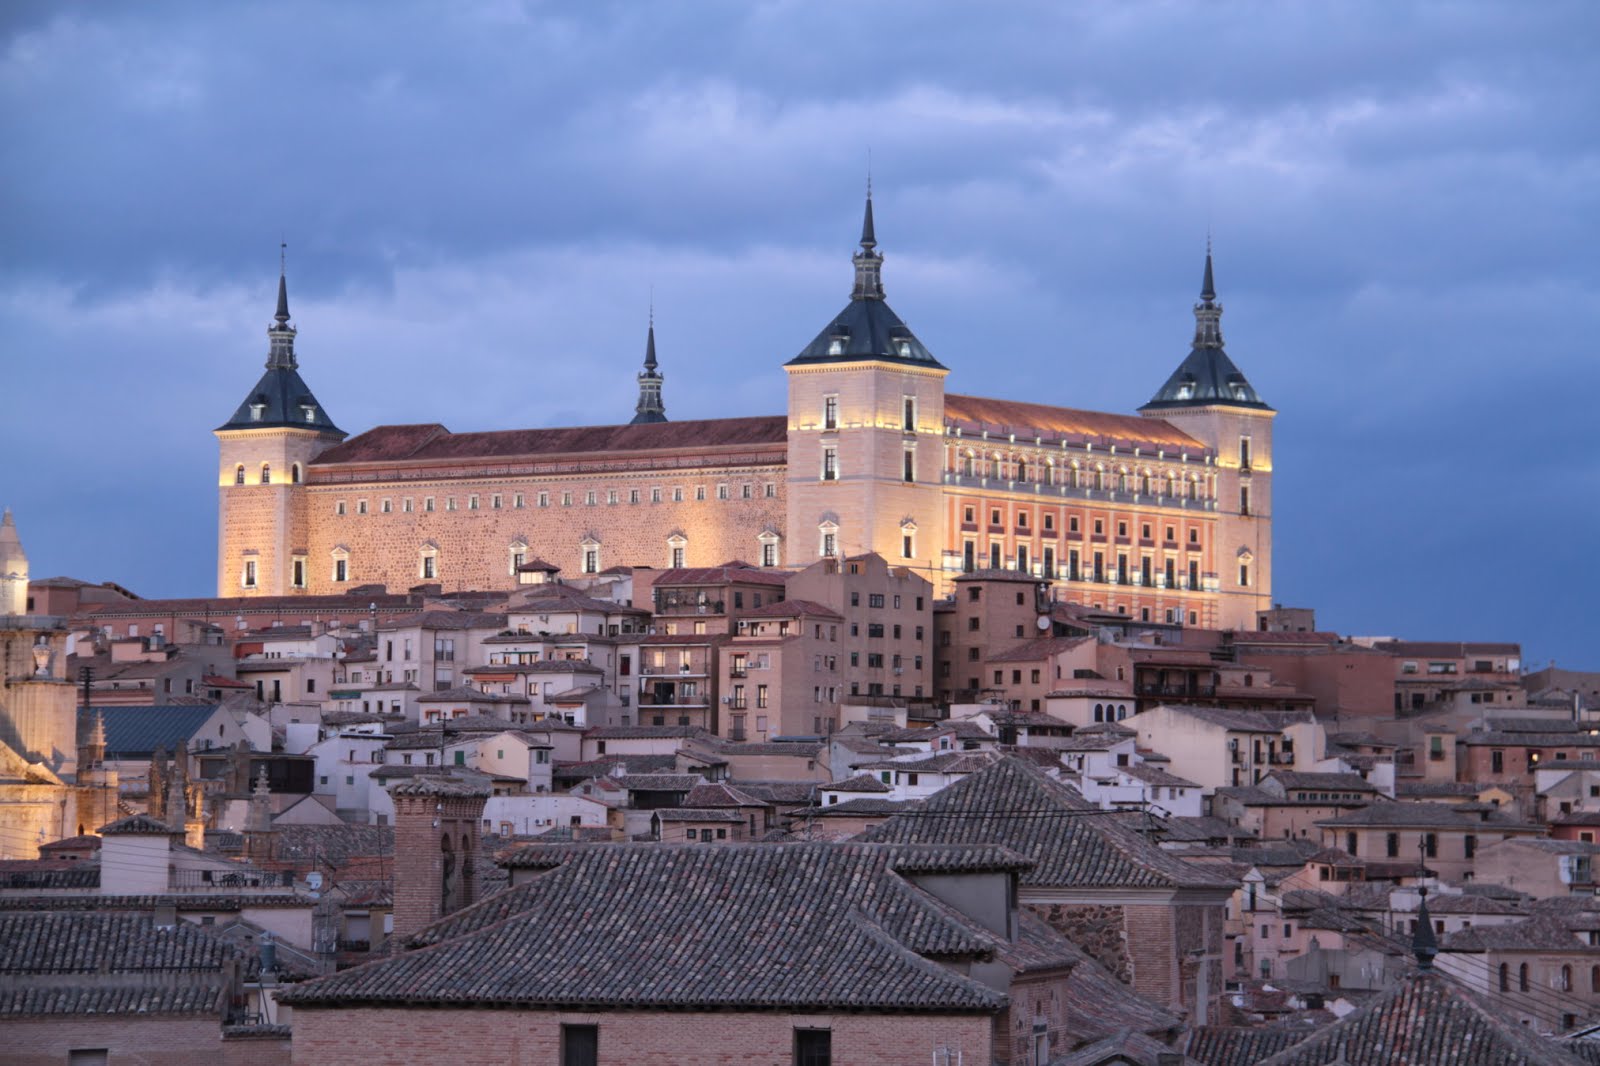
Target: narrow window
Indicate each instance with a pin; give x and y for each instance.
(238, 476)
(580, 1045)
(266, 473)
(830, 412)
(908, 421)
(830, 464)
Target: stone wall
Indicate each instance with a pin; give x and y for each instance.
(1097, 929)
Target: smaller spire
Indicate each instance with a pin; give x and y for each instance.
(280, 335)
(1424, 944)
(282, 317)
(650, 339)
(869, 236)
(1208, 288)
(650, 407)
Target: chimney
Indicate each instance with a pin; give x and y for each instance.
(436, 828)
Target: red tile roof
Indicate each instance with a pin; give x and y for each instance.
(1053, 423)
(433, 442)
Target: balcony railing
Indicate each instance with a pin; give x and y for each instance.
(227, 880)
(1152, 689)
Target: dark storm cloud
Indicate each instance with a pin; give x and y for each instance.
(479, 198)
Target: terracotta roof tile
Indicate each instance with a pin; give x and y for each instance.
(422, 443)
(1056, 423)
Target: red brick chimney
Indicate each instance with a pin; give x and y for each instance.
(436, 823)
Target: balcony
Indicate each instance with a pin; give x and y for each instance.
(228, 880)
(688, 605)
(1146, 688)
(691, 670)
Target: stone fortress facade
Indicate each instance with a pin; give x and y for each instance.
(1164, 515)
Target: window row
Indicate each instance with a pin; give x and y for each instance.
(1074, 474)
(1022, 524)
(1073, 565)
(240, 475)
(590, 498)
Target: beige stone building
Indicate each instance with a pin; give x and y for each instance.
(1160, 516)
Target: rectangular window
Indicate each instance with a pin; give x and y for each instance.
(909, 465)
(580, 1044)
(544, 499)
(341, 570)
(699, 493)
(589, 498)
(429, 567)
(449, 503)
(1244, 499)
(386, 505)
(1244, 575)
(655, 495)
(518, 502)
(830, 412)
(908, 420)
(770, 490)
(361, 507)
(338, 507)
(611, 496)
(405, 505)
(566, 499)
(813, 1047)
(906, 547)
(746, 492)
(591, 560)
(1244, 453)
(722, 492)
(472, 501)
(830, 464)
(427, 504)
(249, 573)
(297, 570)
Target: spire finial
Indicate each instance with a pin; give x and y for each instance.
(650, 336)
(869, 237)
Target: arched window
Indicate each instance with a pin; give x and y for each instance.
(238, 474)
(1022, 469)
(1099, 712)
(1522, 978)
(266, 473)
(1505, 976)
(294, 474)
(1122, 711)
(1566, 978)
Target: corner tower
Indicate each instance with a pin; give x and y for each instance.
(1209, 398)
(265, 449)
(866, 426)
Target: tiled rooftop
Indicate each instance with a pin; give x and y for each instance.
(861, 936)
(1073, 843)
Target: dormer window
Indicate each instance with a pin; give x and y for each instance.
(309, 410)
(257, 410)
(836, 346)
(905, 349)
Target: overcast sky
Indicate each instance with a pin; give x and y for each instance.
(479, 197)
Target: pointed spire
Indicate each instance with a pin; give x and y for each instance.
(1208, 313)
(1424, 944)
(650, 339)
(280, 353)
(868, 261)
(282, 316)
(869, 236)
(650, 407)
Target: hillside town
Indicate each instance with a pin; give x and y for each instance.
(903, 726)
(817, 814)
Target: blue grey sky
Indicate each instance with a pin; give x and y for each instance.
(479, 197)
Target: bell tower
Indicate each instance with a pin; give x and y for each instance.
(866, 426)
(1210, 399)
(265, 450)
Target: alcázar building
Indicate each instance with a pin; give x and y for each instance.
(1164, 515)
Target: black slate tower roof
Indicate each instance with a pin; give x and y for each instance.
(281, 398)
(1207, 377)
(867, 328)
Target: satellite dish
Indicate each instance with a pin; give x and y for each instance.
(314, 879)
(1043, 623)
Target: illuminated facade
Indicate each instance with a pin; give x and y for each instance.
(1164, 515)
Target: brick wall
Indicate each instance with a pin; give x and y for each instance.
(395, 1037)
(131, 1041)
(419, 857)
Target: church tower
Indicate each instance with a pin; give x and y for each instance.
(650, 408)
(866, 426)
(265, 449)
(1210, 399)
